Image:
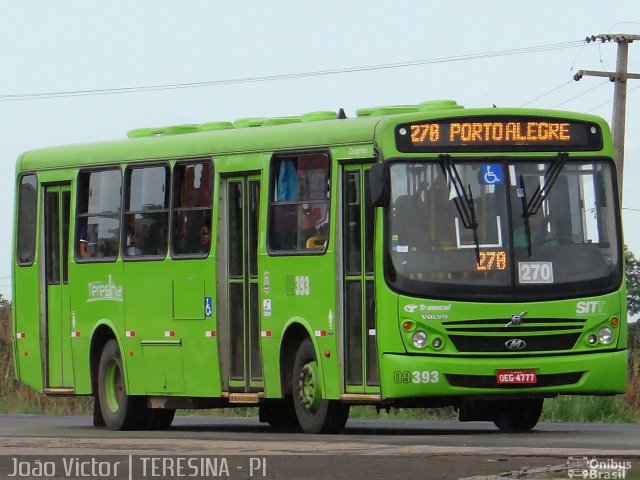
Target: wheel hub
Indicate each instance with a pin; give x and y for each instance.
(114, 386)
(309, 387)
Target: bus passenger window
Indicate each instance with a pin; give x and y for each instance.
(146, 212)
(192, 201)
(98, 221)
(299, 209)
(27, 212)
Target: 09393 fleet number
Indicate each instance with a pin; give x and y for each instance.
(298, 285)
(416, 376)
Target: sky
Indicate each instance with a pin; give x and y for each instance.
(76, 45)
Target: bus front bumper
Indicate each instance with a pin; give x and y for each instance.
(411, 376)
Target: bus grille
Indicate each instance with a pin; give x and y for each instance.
(534, 334)
(490, 381)
(527, 325)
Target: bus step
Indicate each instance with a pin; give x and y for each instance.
(59, 391)
(364, 398)
(245, 397)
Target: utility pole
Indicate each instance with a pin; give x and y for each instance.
(619, 77)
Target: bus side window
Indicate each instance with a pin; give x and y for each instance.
(146, 211)
(98, 220)
(192, 202)
(299, 208)
(27, 213)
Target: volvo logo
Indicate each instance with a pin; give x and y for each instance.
(515, 344)
(516, 319)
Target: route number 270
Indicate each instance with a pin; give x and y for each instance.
(535, 272)
(424, 376)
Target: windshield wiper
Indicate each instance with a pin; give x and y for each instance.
(525, 217)
(463, 201)
(532, 206)
(550, 178)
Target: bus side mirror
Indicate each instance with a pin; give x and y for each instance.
(379, 184)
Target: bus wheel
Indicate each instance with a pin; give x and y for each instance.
(315, 414)
(160, 418)
(98, 419)
(518, 415)
(120, 411)
(280, 414)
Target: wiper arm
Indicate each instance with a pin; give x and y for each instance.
(525, 217)
(463, 201)
(474, 224)
(550, 178)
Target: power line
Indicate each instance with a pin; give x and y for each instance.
(610, 100)
(286, 76)
(581, 94)
(547, 93)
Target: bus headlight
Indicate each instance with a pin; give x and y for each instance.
(605, 335)
(419, 339)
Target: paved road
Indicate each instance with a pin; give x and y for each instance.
(366, 449)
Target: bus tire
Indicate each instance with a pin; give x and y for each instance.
(280, 414)
(519, 415)
(315, 414)
(120, 411)
(98, 419)
(160, 418)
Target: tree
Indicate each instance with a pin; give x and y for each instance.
(5, 314)
(633, 282)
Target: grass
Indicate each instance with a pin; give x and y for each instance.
(404, 413)
(568, 408)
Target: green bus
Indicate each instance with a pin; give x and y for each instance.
(413, 256)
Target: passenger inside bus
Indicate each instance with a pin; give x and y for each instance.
(299, 218)
(539, 232)
(131, 247)
(205, 239)
(312, 226)
(83, 241)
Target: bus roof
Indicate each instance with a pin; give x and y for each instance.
(316, 129)
(202, 143)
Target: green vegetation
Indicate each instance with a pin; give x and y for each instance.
(633, 282)
(404, 413)
(568, 408)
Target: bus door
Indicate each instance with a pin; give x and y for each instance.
(358, 292)
(57, 202)
(238, 244)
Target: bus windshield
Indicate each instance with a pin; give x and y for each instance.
(533, 229)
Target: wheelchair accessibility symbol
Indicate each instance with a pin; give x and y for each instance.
(491, 174)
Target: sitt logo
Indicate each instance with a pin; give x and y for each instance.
(589, 307)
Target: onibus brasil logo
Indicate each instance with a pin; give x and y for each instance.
(104, 292)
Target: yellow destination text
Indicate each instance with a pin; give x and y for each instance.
(468, 132)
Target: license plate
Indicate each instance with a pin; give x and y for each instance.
(516, 376)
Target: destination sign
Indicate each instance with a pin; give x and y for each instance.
(498, 133)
